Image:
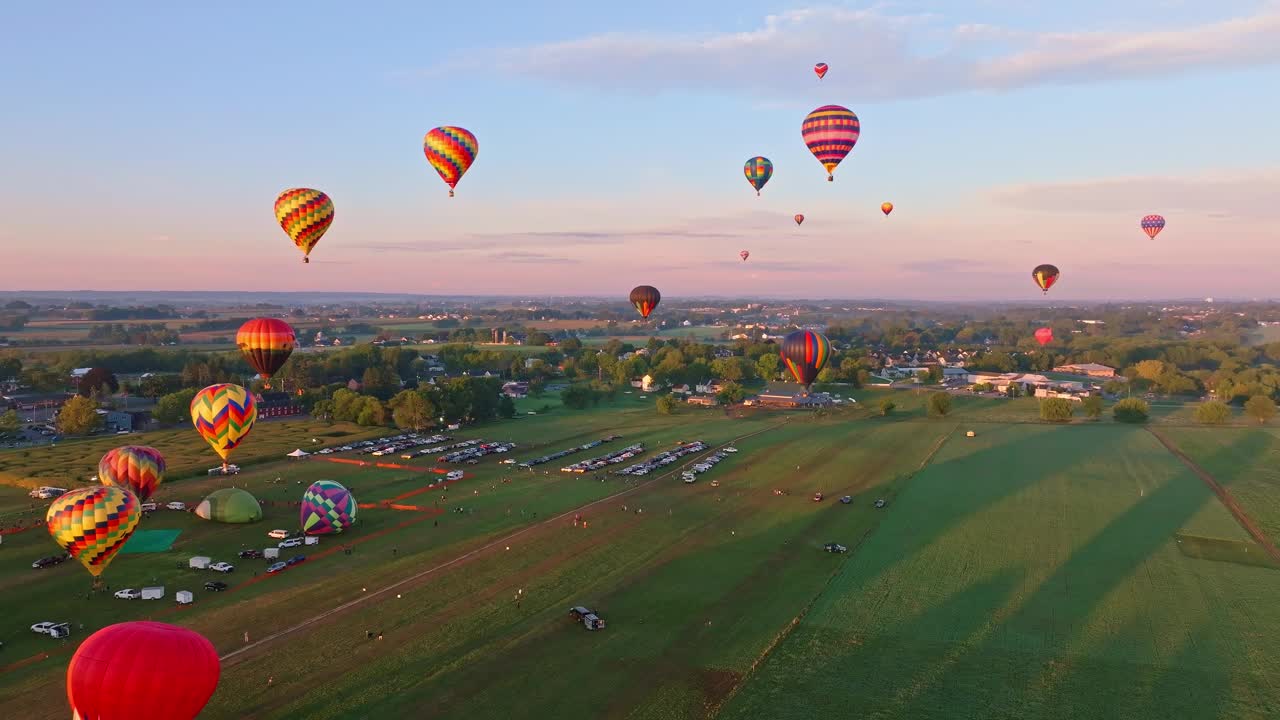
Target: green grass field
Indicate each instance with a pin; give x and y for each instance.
(1031, 571)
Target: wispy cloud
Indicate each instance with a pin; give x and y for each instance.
(875, 54)
(1221, 195)
(532, 258)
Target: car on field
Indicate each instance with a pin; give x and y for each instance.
(731, 449)
(835, 548)
(47, 493)
(817, 497)
(128, 594)
(688, 477)
(295, 560)
(148, 507)
(176, 505)
(274, 568)
(54, 629)
(289, 543)
(508, 461)
(846, 499)
(215, 586)
(222, 567)
(278, 534)
(715, 483)
(454, 475)
(50, 561)
(250, 554)
(880, 503)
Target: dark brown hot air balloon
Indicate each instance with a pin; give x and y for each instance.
(645, 298)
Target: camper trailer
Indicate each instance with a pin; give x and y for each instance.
(153, 593)
(184, 597)
(271, 553)
(199, 563)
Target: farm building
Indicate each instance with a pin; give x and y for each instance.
(1088, 369)
(278, 404)
(705, 400)
(789, 400)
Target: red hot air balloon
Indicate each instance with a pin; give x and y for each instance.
(645, 298)
(142, 670)
(799, 218)
(805, 352)
(886, 208)
(1044, 336)
(821, 70)
(744, 255)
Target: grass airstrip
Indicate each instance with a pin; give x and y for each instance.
(1032, 571)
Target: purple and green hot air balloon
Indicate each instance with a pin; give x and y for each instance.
(327, 508)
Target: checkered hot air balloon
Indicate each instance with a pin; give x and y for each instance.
(223, 414)
(327, 508)
(830, 132)
(758, 171)
(450, 150)
(136, 468)
(267, 344)
(305, 215)
(93, 523)
(805, 353)
(1152, 225)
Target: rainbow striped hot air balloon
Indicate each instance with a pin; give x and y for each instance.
(805, 353)
(137, 468)
(758, 171)
(223, 414)
(305, 215)
(450, 150)
(327, 507)
(830, 132)
(93, 523)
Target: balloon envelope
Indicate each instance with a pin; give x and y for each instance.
(799, 218)
(305, 215)
(1152, 225)
(645, 298)
(886, 208)
(805, 352)
(327, 508)
(830, 132)
(450, 150)
(93, 523)
(821, 70)
(230, 505)
(136, 468)
(142, 669)
(266, 344)
(1045, 276)
(758, 171)
(744, 255)
(223, 414)
(1044, 335)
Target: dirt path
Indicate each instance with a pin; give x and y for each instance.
(249, 650)
(1225, 496)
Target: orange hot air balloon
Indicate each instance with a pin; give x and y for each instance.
(886, 208)
(1044, 336)
(266, 344)
(799, 218)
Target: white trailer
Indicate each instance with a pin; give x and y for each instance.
(271, 553)
(199, 562)
(184, 597)
(312, 540)
(153, 593)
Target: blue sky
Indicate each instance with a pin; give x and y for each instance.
(1007, 133)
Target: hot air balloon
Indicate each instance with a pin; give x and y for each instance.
(830, 132)
(758, 171)
(1152, 225)
(305, 215)
(821, 70)
(1045, 276)
(223, 415)
(744, 255)
(450, 150)
(93, 523)
(142, 669)
(886, 208)
(646, 298)
(266, 343)
(136, 468)
(1044, 335)
(805, 352)
(799, 218)
(327, 508)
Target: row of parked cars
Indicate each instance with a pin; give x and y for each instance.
(662, 459)
(386, 445)
(707, 463)
(472, 455)
(612, 458)
(565, 453)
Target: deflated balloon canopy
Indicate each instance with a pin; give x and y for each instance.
(230, 505)
(646, 298)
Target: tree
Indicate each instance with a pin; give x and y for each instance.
(371, 412)
(666, 405)
(729, 368)
(411, 411)
(174, 408)
(730, 393)
(767, 367)
(537, 387)
(1093, 407)
(79, 416)
(323, 410)
(886, 406)
(10, 422)
(578, 397)
(1056, 409)
(506, 407)
(1260, 408)
(380, 382)
(1213, 412)
(939, 404)
(1150, 369)
(1131, 410)
(96, 380)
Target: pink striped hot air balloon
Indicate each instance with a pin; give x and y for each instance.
(830, 132)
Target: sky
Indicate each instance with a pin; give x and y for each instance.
(143, 144)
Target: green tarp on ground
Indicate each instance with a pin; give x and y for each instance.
(150, 541)
(230, 505)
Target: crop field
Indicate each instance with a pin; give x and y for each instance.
(1032, 567)
(1246, 462)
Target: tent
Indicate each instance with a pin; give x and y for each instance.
(230, 505)
(299, 453)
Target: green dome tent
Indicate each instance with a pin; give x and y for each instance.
(230, 505)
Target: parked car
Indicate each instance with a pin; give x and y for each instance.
(817, 497)
(835, 548)
(295, 560)
(278, 534)
(47, 493)
(128, 594)
(215, 586)
(731, 449)
(880, 503)
(276, 567)
(290, 543)
(249, 554)
(148, 507)
(55, 629)
(222, 567)
(176, 505)
(50, 561)
(454, 475)
(846, 499)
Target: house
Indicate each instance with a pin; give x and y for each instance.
(647, 384)
(531, 363)
(704, 400)
(278, 404)
(1048, 393)
(79, 373)
(722, 353)
(1088, 369)
(681, 390)
(710, 387)
(515, 389)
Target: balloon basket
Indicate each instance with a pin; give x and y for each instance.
(450, 193)
(831, 178)
(306, 260)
